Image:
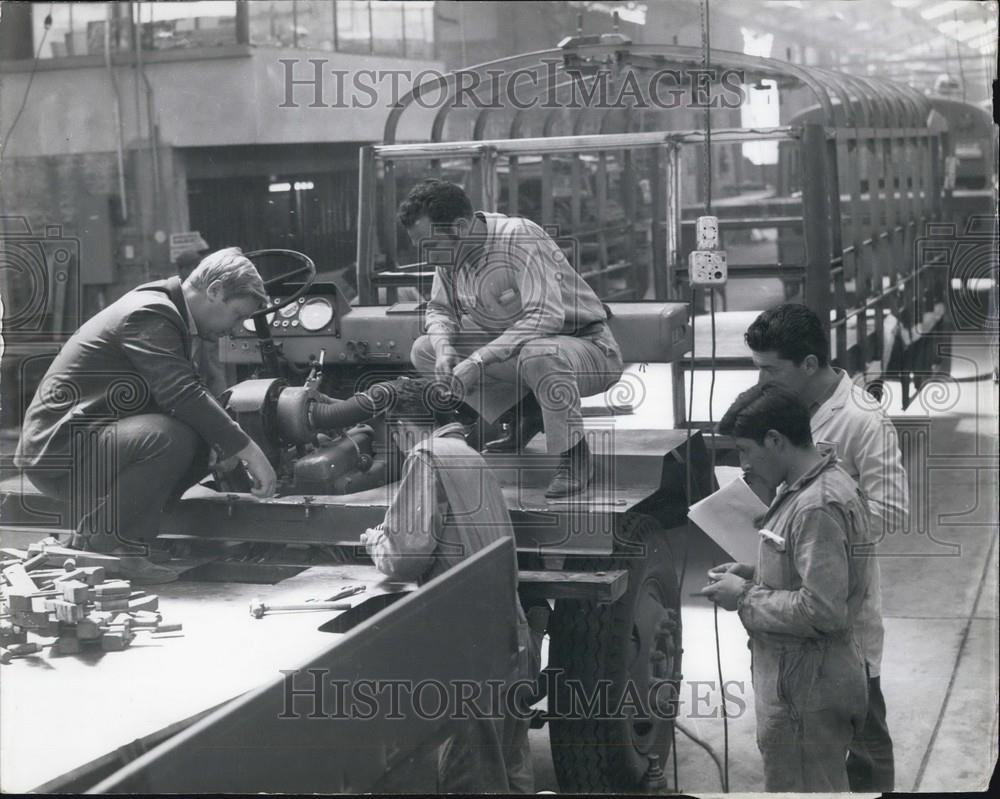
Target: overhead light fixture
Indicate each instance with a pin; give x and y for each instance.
(276, 188)
(940, 9)
(971, 29)
(987, 40)
(948, 28)
(303, 185)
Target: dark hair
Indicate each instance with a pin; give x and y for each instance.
(440, 201)
(791, 330)
(421, 400)
(767, 407)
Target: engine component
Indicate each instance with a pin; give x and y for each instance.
(318, 471)
(253, 404)
(294, 425)
(377, 475)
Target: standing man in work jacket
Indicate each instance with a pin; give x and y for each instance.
(799, 603)
(122, 420)
(789, 346)
(448, 506)
(543, 332)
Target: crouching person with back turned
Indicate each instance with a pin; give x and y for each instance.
(800, 601)
(448, 506)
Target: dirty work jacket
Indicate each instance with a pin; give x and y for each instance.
(852, 423)
(448, 505)
(517, 285)
(812, 584)
(810, 687)
(133, 357)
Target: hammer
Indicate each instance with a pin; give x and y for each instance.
(258, 608)
(8, 653)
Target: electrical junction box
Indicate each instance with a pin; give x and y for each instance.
(708, 268)
(707, 233)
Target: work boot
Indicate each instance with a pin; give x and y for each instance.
(574, 473)
(134, 563)
(110, 545)
(524, 425)
(142, 571)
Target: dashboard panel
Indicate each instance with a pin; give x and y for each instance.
(320, 321)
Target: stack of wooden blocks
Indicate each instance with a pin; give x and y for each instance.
(75, 604)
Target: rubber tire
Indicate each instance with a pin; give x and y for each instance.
(590, 642)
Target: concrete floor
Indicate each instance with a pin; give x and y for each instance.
(939, 675)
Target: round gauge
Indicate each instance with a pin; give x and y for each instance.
(316, 313)
(289, 310)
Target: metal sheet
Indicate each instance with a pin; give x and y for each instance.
(449, 630)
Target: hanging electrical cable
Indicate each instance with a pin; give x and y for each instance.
(706, 42)
(723, 765)
(31, 79)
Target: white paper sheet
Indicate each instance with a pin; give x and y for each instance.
(727, 517)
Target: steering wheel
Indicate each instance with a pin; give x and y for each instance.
(268, 350)
(306, 265)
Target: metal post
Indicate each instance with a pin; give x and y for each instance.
(366, 217)
(816, 221)
(488, 179)
(602, 224)
(628, 189)
(336, 31)
(371, 29)
(513, 187)
(402, 24)
(548, 212)
(243, 21)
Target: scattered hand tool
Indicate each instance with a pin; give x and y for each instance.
(350, 590)
(258, 608)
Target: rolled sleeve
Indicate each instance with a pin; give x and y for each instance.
(881, 477)
(404, 548)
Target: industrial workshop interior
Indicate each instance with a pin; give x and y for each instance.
(492, 397)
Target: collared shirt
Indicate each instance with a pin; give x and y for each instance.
(852, 423)
(516, 284)
(809, 583)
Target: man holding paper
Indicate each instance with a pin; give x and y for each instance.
(790, 347)
(799, 603)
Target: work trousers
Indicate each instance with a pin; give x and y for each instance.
(492, 755)
(870, 763)
(119, 476)
(486, 756)
(558, 370)
(810, 698)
